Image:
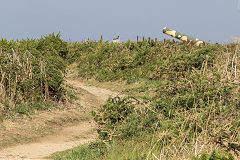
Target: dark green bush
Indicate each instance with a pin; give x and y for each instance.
(124, 118)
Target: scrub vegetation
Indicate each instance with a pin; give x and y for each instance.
(31, 74)
(184, 103)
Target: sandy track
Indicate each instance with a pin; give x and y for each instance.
(68, 136)
(100, 94)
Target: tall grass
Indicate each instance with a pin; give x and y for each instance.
(31, 71)
(18, 78)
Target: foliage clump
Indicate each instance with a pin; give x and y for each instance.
(31, 70)
(124, 118)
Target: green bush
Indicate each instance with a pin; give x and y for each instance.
(124, 118)
(31, 70)
(194, 91)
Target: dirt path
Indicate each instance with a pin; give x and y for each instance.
(67, 138)
(70, 127)
(100, 94)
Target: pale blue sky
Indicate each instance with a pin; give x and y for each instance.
(215, 20)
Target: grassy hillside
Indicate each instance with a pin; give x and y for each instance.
(186, 103)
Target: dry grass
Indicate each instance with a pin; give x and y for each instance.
(17, 75)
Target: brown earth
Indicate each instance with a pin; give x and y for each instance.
(47, 132)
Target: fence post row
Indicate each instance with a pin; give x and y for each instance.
(183, 42)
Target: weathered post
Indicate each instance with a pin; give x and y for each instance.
(192, 45)
(232, 48)
(184, 42)
(217, 50)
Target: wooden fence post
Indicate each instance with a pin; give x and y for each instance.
(232, 48)
(191, 45)
(217, 50)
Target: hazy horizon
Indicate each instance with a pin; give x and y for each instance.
(215, 20)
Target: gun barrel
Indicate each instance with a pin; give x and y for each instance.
(181, 36)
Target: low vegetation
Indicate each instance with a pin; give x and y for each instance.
(186, 104)
(31, 74)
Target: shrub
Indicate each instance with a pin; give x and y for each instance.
(31, 70)
(124, 118)
(194, 91)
